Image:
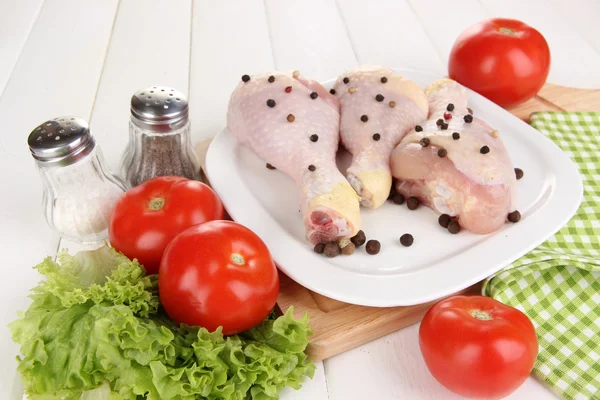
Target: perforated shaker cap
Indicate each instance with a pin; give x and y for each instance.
(159, 108)
(61, 141)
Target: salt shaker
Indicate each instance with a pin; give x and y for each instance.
(79, 191)
(159, 137)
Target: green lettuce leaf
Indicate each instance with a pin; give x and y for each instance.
(95, 328)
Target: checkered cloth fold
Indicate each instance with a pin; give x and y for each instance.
(558, 284)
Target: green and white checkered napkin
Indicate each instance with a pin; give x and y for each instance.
(558, 284)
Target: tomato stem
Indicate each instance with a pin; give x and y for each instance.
(156, 204)
(481, 315)
(507, 31)
(237, 259)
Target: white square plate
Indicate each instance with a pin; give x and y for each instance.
(438, 263)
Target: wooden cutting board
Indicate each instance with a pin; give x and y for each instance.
(339, 326)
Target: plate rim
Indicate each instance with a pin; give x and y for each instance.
(561, 205)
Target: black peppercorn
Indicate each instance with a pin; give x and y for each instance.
(412, 203)
(271, 103)
(418, 128)
(359, 239)
(373, 247)
(332, 91)
(364, 118)
(384, 80)
(379, 97)
(319, 247)
(314, 95)
(444, 126)
(444, 220)
(456, 136)
(514, 216)
(425, 142)
(312, 168)
(442, 153)
(271, 79)
(439, 122)
(346, 80)
(245, 78)
(392, 192)
(450, 107)
(406, 240)
(398, 198)
(453, 227)
(331, 250)
(468, 118)
(314, 138)
(518, 173)
(376, 137)
(484, 150)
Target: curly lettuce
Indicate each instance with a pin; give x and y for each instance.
(95, 330)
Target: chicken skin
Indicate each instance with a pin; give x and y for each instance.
(293, 124)
(378, 108)
(456, 164)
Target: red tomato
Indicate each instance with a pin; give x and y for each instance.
(148, 216)
(218, 274)
(505, 60)
(478, 347)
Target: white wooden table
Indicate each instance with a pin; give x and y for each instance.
(86, 58)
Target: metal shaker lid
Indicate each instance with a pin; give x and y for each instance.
(159, 108)
(61, 141)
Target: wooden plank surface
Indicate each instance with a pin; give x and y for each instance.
(299, 43)
(577, 100)
(229, 39)
(582, 15)
(56, 74)
(559, 98)
(443, 24)
(403, 42)
(537, 103)
(16, 21)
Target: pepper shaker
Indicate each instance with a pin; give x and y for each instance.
(159, 137)
(79, 191)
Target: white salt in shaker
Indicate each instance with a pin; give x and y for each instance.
(159, 137)
(79, 191)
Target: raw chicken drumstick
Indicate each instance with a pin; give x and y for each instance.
(378, 108)
(456, 163)
(293, 124)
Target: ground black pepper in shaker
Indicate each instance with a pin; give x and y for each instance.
(159, 137)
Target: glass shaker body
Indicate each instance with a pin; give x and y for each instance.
(79, 191)
(127, 156)
(159, 137)
(151, 154)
